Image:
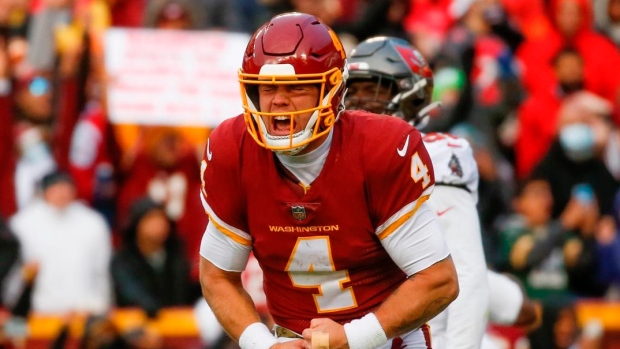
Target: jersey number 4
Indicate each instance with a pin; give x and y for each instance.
(419, 171)
(311, 266)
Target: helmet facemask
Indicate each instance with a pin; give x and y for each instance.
(393, 59)
(376, 94)
(411, 103)
(322, 116)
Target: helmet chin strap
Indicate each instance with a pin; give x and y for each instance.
(292, 152)
(419, 120)
(423, 115)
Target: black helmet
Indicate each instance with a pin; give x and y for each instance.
(394, 63)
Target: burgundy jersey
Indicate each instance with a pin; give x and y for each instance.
(320, 249)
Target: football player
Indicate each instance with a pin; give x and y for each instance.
(332, 204)
(388, 76)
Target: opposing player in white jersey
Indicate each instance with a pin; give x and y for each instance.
(387, 75)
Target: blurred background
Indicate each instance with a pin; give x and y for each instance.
(106, 105)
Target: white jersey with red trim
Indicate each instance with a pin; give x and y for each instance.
(453, 161)
(462, 324)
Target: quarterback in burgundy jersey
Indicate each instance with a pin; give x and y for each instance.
(387, 75)
(330, 202)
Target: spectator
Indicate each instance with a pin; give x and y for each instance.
(13, 327)
(491, 91)
(380, 18)
(34, 161)
(572, 26)
(34, 130)
(150, 270)
(327, 10)
(226, 15)
(127, 13)
(529, 16)
(71, 244)
(173, 14)
(166, 169)
(544, 253)
(93, 160)
(576, 154)
(427, 24)
(536, 133)
(608, 245)
(42, 30)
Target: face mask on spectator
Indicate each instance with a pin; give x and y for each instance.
(577, 140)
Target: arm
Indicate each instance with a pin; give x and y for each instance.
(542, 248)
(431, 286)
(227, 298)
(221, 263)
(509, 305)
(527, 253)
(434, 287)
(418, 247)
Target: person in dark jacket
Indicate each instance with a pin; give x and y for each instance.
(150, 270)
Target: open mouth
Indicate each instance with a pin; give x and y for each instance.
(282, 125)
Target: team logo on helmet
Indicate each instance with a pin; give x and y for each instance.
(455, 166)
(299, 212)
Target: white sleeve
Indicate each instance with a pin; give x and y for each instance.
(506, 299)
(464, 321)
(453, 162)
(224, 252)
(417, 243)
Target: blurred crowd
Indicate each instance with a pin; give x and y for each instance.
(87, 225)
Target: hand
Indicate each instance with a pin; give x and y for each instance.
(590, 220)
(337, 336)
(573, 215)
(294, 344)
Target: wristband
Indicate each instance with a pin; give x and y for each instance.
(365, 333)
(257, 336)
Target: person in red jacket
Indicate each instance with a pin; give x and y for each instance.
(572, 26)
(538, 114)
